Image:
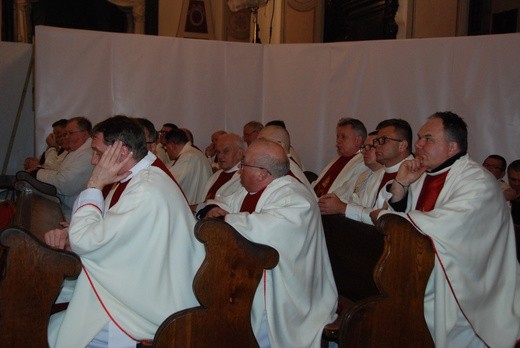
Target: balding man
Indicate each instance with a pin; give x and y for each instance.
(297, 297)
(281, 136)
(210, 150)
(251, 130)
(472, 298)
(293, 155)
(229, 150)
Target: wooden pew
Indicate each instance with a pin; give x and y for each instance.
(31, 273)
(225, 285)
(36, 211)
(381, 274)
(30, 281)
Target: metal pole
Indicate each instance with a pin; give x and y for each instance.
(19, 113)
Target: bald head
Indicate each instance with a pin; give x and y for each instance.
(263, 162)
(276, 134)
(216, 135)
(270, 155)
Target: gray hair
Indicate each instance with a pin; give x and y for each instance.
(277, 165)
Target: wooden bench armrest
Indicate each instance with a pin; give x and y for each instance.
(331, 330)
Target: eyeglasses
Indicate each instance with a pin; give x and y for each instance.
(242, 165)
(68, 134)
(366, 148)
(382, 140)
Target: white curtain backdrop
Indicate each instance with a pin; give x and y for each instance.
(209, 85)
(14, 66)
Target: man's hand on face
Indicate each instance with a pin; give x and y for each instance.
(109, 166)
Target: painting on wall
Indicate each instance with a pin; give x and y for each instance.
(196, 20)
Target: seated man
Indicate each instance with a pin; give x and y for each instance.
(297, 298)
(137, 246)
(350, 135)
(336, 202)
(210, 150)
(497, 165)
(513, 176)
(150, 134)
(251, 130)
(55, 153)
(281, 136)
(229, 150)
(472, 298)
(392, 146)
(190, 168)
(70, 178)
(161, 143)
(292, 154)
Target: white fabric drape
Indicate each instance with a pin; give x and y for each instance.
(209, 85)
(14, 64)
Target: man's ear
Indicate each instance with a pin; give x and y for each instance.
(453, 148)
(262, 175)
(403, 145)
(125, 150)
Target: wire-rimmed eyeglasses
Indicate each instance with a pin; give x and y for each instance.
(242, 165)
(382, 140)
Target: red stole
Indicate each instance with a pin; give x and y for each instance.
(294, 176)
(430, 191)
(323, 186)
(120, 187)
(250, 200)
(117, 193)
(386, 178)
(221, 180)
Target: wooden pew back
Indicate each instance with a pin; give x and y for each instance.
(31, 273)
(36, 212)
(387, 311)
(225, 286)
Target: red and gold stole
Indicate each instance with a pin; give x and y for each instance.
(221, 180)
(250, 201)
(323, 186)
(430, 191)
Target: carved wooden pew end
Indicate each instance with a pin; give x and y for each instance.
(388, 309)
(225, 285)
(31, 275)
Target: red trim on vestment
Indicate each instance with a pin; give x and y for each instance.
(92, 204)
(447, 278)
(147, 342)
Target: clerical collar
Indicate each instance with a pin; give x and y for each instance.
(145, 162)
(448, 163)
(233, 169)
(395, 167)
